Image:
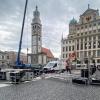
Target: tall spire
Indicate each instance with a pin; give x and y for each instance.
(88, 6)
(36, 14)
(36, 7)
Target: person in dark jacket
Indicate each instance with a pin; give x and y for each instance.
(68, 67)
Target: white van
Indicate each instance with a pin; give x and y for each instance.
(53, 66)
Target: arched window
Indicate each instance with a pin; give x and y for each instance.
(38, 27)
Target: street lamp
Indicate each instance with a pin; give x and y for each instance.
(88, 65)
(27, 55)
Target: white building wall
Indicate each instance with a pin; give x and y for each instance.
(40, 59)
(44, 59)
(29, 59)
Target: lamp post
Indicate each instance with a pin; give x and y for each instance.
(81, 57)
(27, 55)
(88, 66)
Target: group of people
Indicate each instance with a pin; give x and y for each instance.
(68, 66)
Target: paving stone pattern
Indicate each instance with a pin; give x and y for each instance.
(50, 89)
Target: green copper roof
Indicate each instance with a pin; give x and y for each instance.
(73, 21)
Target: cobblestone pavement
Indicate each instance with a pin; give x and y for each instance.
(49, 89)
(64, 76)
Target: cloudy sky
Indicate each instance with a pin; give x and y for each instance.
(55, 17)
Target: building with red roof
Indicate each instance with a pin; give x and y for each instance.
(47, 52)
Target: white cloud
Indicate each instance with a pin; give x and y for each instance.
(55, 16)
(4, 34)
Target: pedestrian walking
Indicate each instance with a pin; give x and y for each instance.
(68, 67)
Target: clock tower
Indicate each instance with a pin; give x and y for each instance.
(36, 40)
(39, 54)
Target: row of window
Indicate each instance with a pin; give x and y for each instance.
(86, 26)
(36, 26)
(90, 53)
(66, 42)
(89, 38)
(72, 41)
(88, 45)
(86, 54)
(94, 31)
(85, 39)
(3, 57)
(70, 48)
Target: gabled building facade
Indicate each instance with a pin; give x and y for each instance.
(83, 40)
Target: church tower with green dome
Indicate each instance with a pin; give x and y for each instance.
(72, 25)
(73, 21)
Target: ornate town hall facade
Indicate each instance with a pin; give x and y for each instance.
(83, 40)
